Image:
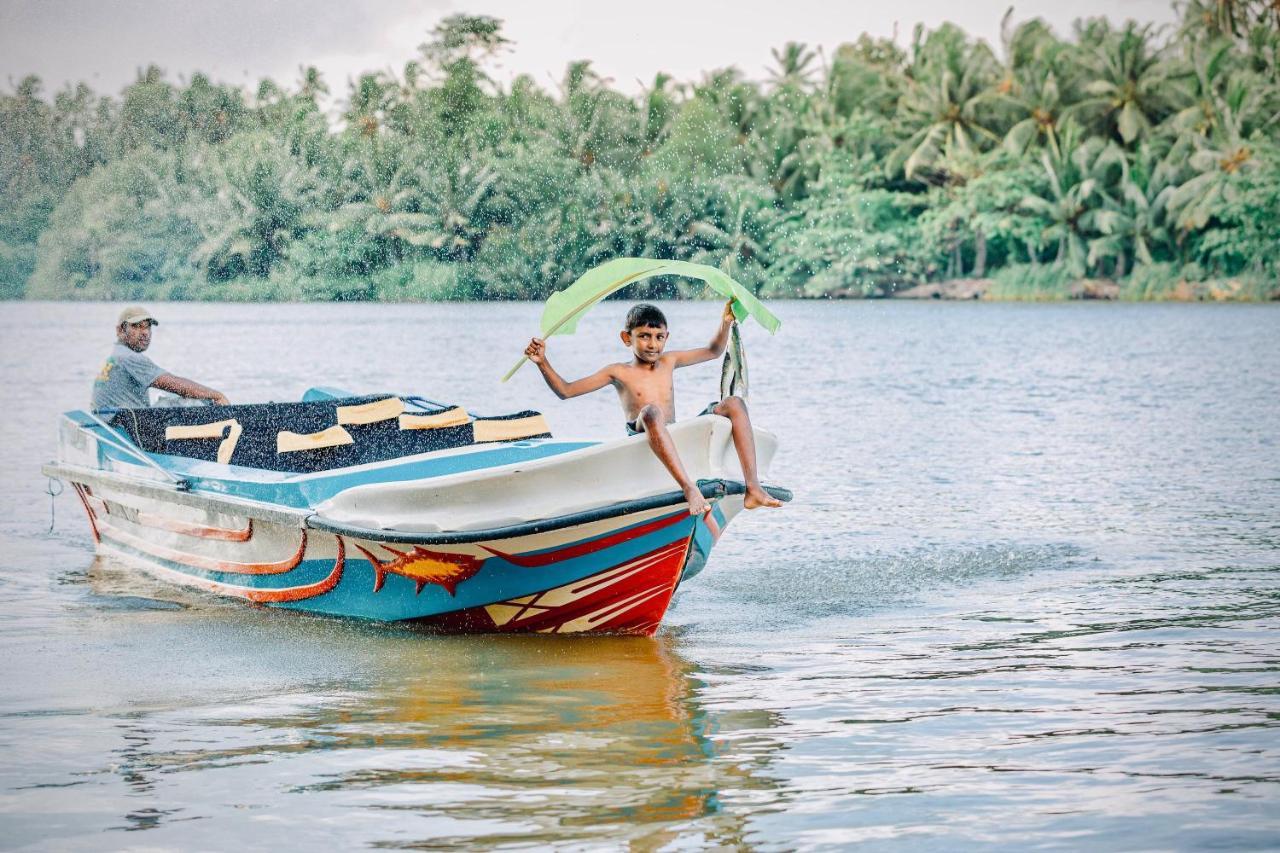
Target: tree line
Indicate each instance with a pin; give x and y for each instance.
(1148, 156)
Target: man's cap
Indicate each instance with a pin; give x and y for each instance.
(136, 314)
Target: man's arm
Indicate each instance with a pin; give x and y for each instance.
(187, 388)
(684, 358)
(537, 353)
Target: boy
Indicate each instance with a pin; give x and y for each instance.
(647, 393)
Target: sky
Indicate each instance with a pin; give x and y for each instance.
(106, 42)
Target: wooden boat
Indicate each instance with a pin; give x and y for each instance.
(400, 509)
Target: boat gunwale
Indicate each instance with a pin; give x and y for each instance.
(717, 488)
(274, 513)
(159, 490)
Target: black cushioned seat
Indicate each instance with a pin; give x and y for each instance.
(262, 422)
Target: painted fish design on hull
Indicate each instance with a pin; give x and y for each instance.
(423, 567)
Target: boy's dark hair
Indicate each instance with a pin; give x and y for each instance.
(645, 314)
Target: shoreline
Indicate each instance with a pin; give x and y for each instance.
(950, 290)
(1080, 290)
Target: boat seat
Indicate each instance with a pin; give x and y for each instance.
(378, 426)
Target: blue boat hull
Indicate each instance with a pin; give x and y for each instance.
(614, 575)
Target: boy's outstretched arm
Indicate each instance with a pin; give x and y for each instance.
(537, 353)
(683, 358)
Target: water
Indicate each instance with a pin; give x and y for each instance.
(1027, 597)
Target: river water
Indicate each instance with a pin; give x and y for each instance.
(1027, 597)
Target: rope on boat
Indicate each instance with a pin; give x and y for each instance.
(48, 490)
(425, 404)
(179, 482)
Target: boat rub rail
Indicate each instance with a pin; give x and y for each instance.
(297, 518)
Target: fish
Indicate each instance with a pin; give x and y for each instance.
(423, 567)
(733, 372)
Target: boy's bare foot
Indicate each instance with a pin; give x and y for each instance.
(758, 497)
(698, 505)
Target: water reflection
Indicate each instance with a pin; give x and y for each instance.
(117, 585)
(484, 741)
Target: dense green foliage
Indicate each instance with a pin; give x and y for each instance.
(1150, 157)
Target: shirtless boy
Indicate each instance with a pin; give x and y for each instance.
(647, 393)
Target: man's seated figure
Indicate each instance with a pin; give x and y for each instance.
(127, 373)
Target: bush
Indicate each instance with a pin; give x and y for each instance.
(1150, 281)
(423, 281)
(848, 241)
(118, 235)
(1035, 283)
(16, 266)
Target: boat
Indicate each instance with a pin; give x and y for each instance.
(398, 508)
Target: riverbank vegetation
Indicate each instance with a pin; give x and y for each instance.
(1142, 156)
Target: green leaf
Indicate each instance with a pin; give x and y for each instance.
(1130, 122)
(566, 307)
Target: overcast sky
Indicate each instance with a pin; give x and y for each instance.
(105, 42)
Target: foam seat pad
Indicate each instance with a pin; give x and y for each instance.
(228, 430)
(510, 429)
(457, 416)
(371, 413)
(292, 442)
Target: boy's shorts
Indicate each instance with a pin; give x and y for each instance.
(633, 427)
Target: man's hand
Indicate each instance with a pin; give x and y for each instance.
(536, 351)
(221, 400)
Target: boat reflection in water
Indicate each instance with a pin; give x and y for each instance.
(454, 740)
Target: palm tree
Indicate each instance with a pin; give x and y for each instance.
(744, 109)
(371, 97)
(1129, 87)
(79, 126)
(210, 112)
(786, 118)
(149, 113)
(1038, 85)
(1233, 107)
(1134, 222)
(661, 103)
(1233, 18)
(311, 85)
(792, 146)
(1039, 106)
(794, 69)
(1224, 97)
(730, 228)
(1201, 197)
(945, 105)
(382, 199)
(736, 99)
(254, 201)
(1078, 182)
(455, 193)
(1210, 66)
(596, 122)
(866, 76)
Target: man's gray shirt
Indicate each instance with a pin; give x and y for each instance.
(124, 379)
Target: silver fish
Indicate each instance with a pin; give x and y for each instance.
(733, 373)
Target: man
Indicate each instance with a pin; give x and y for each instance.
(127, 374)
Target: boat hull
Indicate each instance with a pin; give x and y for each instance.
(612, 575)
